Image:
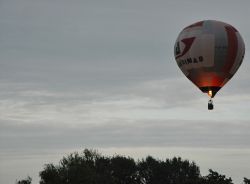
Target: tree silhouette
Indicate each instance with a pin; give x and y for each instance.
(72, 169)
(123, 170)
(90, 167)
(215, 178)
(246, 181)
(171, 171)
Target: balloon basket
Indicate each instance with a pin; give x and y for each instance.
(210, 104)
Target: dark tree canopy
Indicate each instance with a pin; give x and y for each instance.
(170, 171)
(246, 181)
(90, 167)
(216, 178)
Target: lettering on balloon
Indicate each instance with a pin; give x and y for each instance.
(190, 60)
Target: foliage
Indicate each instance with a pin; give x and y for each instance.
(171, 171)
(246, 181)
(90, 167)
(215, 178)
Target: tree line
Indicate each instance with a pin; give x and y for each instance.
(90, 167)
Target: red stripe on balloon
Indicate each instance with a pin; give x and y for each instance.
(232, 48)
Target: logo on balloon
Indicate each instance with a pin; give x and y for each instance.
(187, 45)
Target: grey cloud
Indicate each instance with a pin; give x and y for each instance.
(72, 47)
(123, 133)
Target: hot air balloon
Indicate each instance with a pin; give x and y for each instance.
(209, 53)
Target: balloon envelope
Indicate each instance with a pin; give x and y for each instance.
(209, 53)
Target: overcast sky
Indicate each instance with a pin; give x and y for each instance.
(101, 74)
